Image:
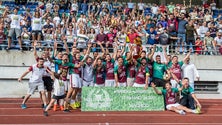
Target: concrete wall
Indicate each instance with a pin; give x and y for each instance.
(14, 63)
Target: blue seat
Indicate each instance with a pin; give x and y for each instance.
(61, 11)
(148, 8)
(215, 11)
(220, 11)
(67, 11)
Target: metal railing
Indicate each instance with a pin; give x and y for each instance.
(49, 44)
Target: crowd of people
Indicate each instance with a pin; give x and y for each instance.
(179, 25)
(88, 37)
(126, 67)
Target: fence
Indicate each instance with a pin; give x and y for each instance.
(170, 49)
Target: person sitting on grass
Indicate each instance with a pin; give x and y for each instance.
(169, 94)
(59, 91)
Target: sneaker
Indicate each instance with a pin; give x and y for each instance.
(54, 107)
(23, 106)
(182, 112)
(20, 49)
(45, 113)
(66, 110)
(7, 49)
(40, 50)
(78, 104)
(31, 50)
(197, 110)
(61, 108)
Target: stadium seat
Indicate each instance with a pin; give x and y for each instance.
(215, 11)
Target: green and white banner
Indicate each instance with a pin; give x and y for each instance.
(121, 99)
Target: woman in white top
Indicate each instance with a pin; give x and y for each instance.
(37, 25)
(82, 39)
(70, 35)
(92, 35)
(59, 91)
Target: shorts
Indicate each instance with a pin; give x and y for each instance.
(110, 83)
(85, 83)
(16, 31)
(172, 105)
(138, 85)
(37, 32)
(75, 81)
(58, 97)
(33, 86)
(66, 84)
(99, 85)
(130, 81)
(159, 82)
(122, 84)
(48, 83)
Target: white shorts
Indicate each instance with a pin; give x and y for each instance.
(174, 83)
(172, 105)
(130, 81)
(138, 85)
(110, 83)
(75, 81)
(66, 84)
(122, 84)
(85, 83)
(99, 85)
(33, 86)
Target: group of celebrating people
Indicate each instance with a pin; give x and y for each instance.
(178, 25)
(126, 67)
(111, 27)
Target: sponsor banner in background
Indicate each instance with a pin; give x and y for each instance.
(159, 51)
(120, 99)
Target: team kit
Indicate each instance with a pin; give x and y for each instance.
(127, 66)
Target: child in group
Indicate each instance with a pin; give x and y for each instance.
(59, 91)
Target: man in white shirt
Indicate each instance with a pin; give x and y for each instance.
(189, 70)
(218, 42)
(15, 27)
(141, 7)
(154, 9)
(130, 5)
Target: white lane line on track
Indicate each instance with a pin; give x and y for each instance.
(115, 115)
(29, 108)
(124, 124)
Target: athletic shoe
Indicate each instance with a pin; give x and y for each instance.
(198, 110)
(78, 104)
(7, 49)
(20, 49)
(61, 108)
(182, 112)
(45, 113)
(73, 105)
(66, 110)
(54, 107)
(23, 106)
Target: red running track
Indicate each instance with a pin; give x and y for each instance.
(11, 113)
